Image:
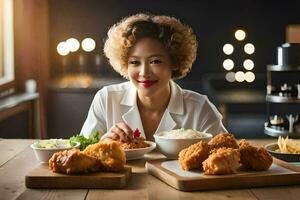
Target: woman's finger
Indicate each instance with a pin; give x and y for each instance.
(126, 129)
(120, 132)
(112, 136)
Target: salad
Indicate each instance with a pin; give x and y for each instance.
(53, 144)
(84, 142)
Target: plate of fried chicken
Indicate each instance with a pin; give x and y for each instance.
(101, 156)
(223, 155)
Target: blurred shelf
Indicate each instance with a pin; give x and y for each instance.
(82, 83)
(276, 133)
(19, 116)
(279, 99)
(16, 99)
(241, 96)
(280, 68)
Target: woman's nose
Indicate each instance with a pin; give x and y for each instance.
(145, 70)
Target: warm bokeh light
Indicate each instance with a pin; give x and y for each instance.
(88, 44)
(240, 35)
(73, 44)
(230, 76)
(248, 64)
(240, 76)
(228, 49)
(249, 76)
(62, 49)
(228, 64)
(249, 48)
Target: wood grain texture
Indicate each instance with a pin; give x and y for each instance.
(10, 148)
(12, 173)
(145, 187)
(273, 193)
(42, 177)
(31, 194)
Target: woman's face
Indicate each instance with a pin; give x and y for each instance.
(149, 67)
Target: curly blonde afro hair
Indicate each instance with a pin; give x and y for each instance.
(178, 39)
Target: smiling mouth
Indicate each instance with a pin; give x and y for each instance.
(147, 83)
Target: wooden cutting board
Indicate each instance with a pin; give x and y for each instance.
(42, 177)
(169, 171)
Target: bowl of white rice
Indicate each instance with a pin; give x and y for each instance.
(170, 143)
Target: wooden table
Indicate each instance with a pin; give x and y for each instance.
(17, 159)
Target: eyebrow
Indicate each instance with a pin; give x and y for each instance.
(155, 55)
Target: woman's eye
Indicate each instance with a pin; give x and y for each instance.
(156, 61)
(133, 62)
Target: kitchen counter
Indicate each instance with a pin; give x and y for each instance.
(17, 159)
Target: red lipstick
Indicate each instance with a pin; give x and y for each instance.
(147, 83)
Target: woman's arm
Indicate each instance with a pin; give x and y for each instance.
(96, 119)
(211, 119)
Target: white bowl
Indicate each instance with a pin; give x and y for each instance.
(44, 154)
(132, 154)
(171, 147)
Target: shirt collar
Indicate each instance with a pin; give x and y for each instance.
(129, 98)
(176, 101)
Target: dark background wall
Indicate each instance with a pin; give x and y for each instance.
(214, 23)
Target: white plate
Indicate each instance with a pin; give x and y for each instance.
(133, 154)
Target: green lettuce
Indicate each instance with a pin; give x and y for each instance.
(84, 142)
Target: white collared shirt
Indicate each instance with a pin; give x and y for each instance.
(186, 109)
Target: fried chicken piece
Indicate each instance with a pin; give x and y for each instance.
(73, 161)
(223, 140)
(222, 161)
(254, 158)
(193, 156)
(109, 153)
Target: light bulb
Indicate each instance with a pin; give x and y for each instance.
(230, 76)
(62, 49)
(240, 76)
(88, 44)
(249, 48)
(73, 44)
(228, 64)
(248, 64)
(240, 35)
(228, 49)
(249, 76)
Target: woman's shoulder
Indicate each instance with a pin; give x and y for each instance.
(191, 95)
(194, 99)
(115, 87)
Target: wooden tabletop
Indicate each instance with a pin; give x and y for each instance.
(17, 159)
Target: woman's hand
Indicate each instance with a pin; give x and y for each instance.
(120, 131)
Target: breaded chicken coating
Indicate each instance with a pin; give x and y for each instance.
(102, 156)
(109, 153)
(254, 158)
(223, 140)
(222, 161)
(193, 156)
(73, 161)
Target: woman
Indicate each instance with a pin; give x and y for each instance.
(150, 51)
